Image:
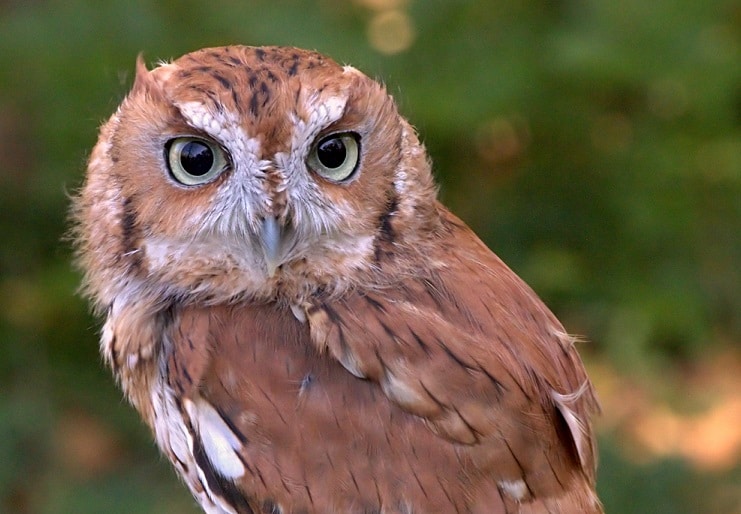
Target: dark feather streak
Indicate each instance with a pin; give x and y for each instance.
(129, 233)
(228, 421)
(455, 358)
(420, 342)
(223, 81)
(270, 507)
(219, 485)
(383, 244)
(114, 356)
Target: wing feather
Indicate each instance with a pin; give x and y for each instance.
(469, 347)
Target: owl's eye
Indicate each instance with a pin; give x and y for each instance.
(336, 156)
(194, 161)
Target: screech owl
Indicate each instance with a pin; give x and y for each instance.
(300, 322)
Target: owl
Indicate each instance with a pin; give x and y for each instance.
(300, 322)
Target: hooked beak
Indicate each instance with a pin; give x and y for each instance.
(272, 241)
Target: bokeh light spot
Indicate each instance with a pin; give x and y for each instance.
(391, 32)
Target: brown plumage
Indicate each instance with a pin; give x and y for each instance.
(300, 322)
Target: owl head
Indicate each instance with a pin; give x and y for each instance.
(242, 172)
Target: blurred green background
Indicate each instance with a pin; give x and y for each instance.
(594, 144)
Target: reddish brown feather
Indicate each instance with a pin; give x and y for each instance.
(478, 361)
(477, 358)
(316, 439)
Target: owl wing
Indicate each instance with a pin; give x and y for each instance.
(470, 349)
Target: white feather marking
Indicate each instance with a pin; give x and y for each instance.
(176, 441)
(169, 428)
(298, 313)
(401, 176)
(400, 392)
(220, 124)
(106, 340)
(517, 489)
(352, 70)
(400, 181)
(567, 340)
(219, 442)
(576, 427)
(350, 363)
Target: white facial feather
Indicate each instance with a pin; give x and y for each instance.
(310, 208)
(241, 201)
(242, 197)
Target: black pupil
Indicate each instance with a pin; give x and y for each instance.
(332, 152)
(196, 158)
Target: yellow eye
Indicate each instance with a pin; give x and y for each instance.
(336, 156)
(194, 161)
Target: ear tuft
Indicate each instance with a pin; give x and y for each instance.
(143, 80)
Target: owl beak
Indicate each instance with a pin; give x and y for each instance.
(271, 239)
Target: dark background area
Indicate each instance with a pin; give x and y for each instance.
(595, 145)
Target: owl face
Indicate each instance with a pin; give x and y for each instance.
(244, 171)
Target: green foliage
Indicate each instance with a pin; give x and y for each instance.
(666, 487)
(595, 145)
